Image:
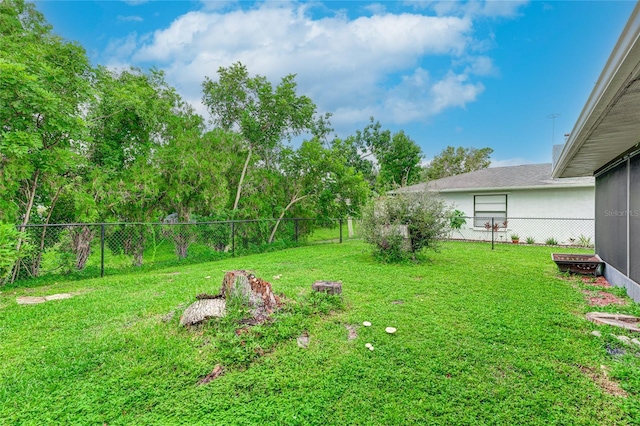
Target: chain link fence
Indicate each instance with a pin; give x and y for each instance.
(577, 232)
(99, 249)
(92, 250)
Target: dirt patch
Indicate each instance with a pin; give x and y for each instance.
(353, 334)
(34, 300)
(598, 282)
(601, 378)
(602, 298)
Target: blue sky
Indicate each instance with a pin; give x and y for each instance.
(478, 74)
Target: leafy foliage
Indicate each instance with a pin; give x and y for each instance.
(398, 227)
(9, 237)
(454, 161)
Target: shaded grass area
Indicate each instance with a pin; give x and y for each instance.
(484, 337)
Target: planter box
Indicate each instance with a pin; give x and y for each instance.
(585, 264)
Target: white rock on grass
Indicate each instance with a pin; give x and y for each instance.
(596, 333)
(624, 339)
(366, 324)
(390, 330)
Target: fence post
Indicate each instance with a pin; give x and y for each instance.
(340, 230)
(233, 238)
(102, 250)
(295, 222)
(492, 232)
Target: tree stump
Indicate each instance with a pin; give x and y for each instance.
(329, 287)
(253, 292)
(202, 310)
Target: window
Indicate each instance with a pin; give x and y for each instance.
(486, 207)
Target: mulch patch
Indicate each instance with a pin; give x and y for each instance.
(602, 298)
(598, 282)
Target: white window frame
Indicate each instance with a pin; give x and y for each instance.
(487, 206)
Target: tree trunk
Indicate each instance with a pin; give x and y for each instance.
(27, 216)
(81, 245)
(242, 176)
(275, 227)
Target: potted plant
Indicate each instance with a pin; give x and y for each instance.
(515, 239)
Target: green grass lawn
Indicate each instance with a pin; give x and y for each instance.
(484, 337)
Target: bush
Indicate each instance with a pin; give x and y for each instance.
(9, 254)
(551, 241)
(399, 227)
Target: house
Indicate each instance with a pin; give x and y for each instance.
(533, 204)
(605, 143)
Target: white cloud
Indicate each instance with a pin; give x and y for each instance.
(353, 68)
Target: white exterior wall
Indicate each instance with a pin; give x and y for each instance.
(563, 204)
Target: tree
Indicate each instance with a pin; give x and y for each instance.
(134, 118)
(319, 177)
(44, 86)
(363, 150)
(262, 114)
(399, 162)
(454, 161)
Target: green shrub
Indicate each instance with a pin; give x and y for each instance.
(399, 227)
(531, 240)
(9, 254)
(551, 241)
(584, 241)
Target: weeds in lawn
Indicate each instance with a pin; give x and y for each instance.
(483, 337)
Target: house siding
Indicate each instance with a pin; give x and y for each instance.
(556, 203)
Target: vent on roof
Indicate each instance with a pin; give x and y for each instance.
(555, 155)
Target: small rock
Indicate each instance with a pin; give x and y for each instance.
(207, 277)
(596, 333)
(390, 330)
(613, 351)
(370, 348)
(366, 324)
(303, 340)
(329, 287)
(624, 339)
(368, 345)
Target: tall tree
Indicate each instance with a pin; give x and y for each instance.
(44, 83)
(264, 115)
(319, 178)
(44, 86)
(134, 116)
(362, 150)
(399, 162)
(454, 161)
